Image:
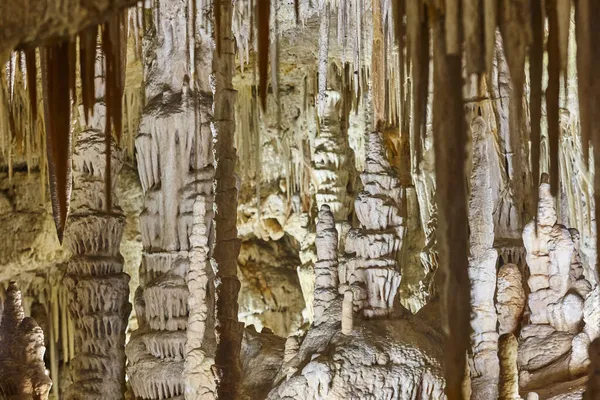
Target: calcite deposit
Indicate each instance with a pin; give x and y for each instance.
(372, 270)
(553, 338)
(22, 370)
(299, 200)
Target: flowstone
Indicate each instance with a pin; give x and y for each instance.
(552, 343)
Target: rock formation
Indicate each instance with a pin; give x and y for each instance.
(371, 360)
(326, 268)
(508, 388)
(175, 163)
(332, 166)
(372, 271)
(510, 299)
(483, 360)
(227, 244)
(247, 121)
(270, 293)
(22, 370)
(98, 289)
(551, 343)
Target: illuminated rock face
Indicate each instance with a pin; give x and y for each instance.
(22, 371)
(341, 358)
(484, 366)
(98, 289)
(171, 352)
(372, 270)
(553, 342)
(535, 305)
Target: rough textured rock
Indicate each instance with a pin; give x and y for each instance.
(551, 343)
(372, 271)
(483, 361)
(510, 299)
(22, 371)
(27, 220)
(509, 374)
(228, 330)
(382, 359)
(97, 286)
(270, 293)
(175, 168)
(47, 21)
(261, 356)
(326, 268)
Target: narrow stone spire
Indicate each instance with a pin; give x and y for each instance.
(326, 267)
(484, 366)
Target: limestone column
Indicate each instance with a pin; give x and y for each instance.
(98, 289)
(483, 358)
(332, 168)
(227, 245)
(326, 268)
(171, 353)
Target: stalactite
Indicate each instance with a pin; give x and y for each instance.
(450, 153)
(536, 58)
(227, 245)
(87, 55)
(594, 122)
(323, 54)
(418, 44)
(472, 22)
(490, 22)
(263, 12)
(378, 64)
(553, 91)
(514, 23)
(584, 68)
(57, 111)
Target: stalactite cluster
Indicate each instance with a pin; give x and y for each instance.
(474, 208)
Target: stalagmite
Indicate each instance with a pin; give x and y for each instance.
(332, 157)
(348, 312)
(326, 267)
(22, 370)
(227, 245)
(372, 271)
(97, 286)
(509, 374)
(200, 382)
(484, 365)
(332, 163)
